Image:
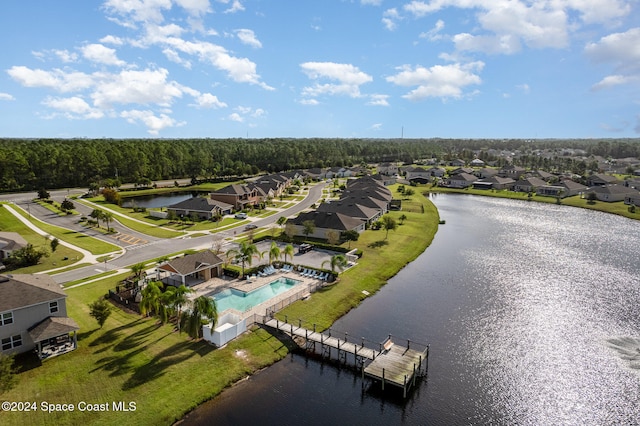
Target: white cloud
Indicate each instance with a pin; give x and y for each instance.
(173, 56)
(348, 77)
(622, 50)
(101, 54)
(524, 88)
(6, 97)
(378, 100)
(236, 117)
(376, 126)
(236, 6)
(73, 107)
(117, 41)
(311, 102)
(138, 10)
(66, 56)
(434, 33)
(195, 7)
(153, 122)
(371, 2)
(248, 37)
(135, 87)
(62, 81)
(207, 100)
(390, 19)
(438, 81)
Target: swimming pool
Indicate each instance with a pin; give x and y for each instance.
(241, 301)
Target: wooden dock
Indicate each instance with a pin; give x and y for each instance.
(389, 363)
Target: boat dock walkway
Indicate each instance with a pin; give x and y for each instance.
(389, 363)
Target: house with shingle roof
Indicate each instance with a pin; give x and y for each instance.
(10, 242)
(324, 222)
(599, 179)
(33, 315)
(460, 180)
(205, 208)
(358, 211)
(238, 195)
(192, 269)
(613, 193)
(530, 184)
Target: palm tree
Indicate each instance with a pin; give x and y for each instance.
(107, 217)
(244, 253)
(151, 298)
(138, 270)
(338, 261)
(274, 252)
(165, 308)
(97, 214)
(203, 311)
(288, 251)
(180, 299)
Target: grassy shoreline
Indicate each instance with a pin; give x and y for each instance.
(135, 359)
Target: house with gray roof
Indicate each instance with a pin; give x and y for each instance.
(530, 184)
(10, 242)
(324, 222)
(460, 180)
(600, 179)
(613, 193)
(358, 211)
(204, 208)
(192, 269)
(418, 175)
(33, 315)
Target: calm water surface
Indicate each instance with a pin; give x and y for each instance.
(159, 200)
(532, 312)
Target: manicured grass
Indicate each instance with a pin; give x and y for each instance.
(381, 260)
(10, 223)
(618, 208)
(78, 239)
(134, 359)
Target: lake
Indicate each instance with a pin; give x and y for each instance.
(158, 200)
(532, 313)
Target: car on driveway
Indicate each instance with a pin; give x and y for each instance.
(241, 216)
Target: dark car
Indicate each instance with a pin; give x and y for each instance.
(250, 226)
(305, 248)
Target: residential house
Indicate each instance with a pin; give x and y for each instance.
(457, 163)
(633, 199)
(460, 180)
(459, 170)
(545, 176)
(33, 315)
(599, 179)
(325, 222)
(316, 173)
(511, 171)
(530, 184)
(418, 175)
(204, 208)
(485, 173)
(388, 169)
(551, 191)
(476, 162)
(438, 172)
(571, 187)
(497, 182)
(613, 193)
(238, 195)
(338, 172)
(358, 211)
(192, 269)
(10, 242)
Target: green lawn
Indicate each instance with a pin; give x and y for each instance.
(165, 373)
(134, 359)
(78, 239)
(10, 223)
(381, 260)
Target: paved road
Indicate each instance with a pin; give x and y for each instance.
(149, 247)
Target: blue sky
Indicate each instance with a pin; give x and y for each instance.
(330, 68)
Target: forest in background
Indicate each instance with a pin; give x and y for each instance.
(31, 164)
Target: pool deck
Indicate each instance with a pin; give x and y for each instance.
(216, 285)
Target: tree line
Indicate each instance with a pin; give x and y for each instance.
(30, 164)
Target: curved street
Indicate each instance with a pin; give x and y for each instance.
(148, 247)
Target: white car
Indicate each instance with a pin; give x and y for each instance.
(241, 216)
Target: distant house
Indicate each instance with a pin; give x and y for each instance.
(459, 170)
(204, 208)
(324, 222)
(572, 188)
(418, 175)
(239, 196)
(633, 199)
(511, 171)
(496, 182)
(316, 173)
(476, 162)
(613, 193)
(192, 268)
(485, 173)
(358, 211)
(599, 179)
(551, 191)
(437, 172)
(460, 180)
(548, 177)
(10, 242)
(388, 169)
(33, 315)
(528, 185)
(457, 163)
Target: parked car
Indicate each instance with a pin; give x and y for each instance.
(304, 248)
(241, 215)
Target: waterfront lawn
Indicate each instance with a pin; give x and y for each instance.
(135, 359)
(380, 261)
